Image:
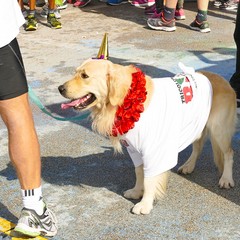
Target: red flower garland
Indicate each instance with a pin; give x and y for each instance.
(129, 112)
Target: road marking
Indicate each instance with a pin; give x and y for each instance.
(6, 228)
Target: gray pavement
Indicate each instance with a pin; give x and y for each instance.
(82, 180)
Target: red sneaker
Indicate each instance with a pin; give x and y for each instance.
(179, 14)
(81, 3)
(142, 3)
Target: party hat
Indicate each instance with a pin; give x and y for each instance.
(103, 51)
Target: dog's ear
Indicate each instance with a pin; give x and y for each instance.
(119, 80)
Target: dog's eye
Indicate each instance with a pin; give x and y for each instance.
(84, 75)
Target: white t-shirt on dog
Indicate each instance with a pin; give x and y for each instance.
(175, 117)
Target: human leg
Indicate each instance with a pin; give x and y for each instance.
(24, 150)
(31, 24)
(200, 23)
(179, 13)
(166, 22)
(171, 3)
(23, 9)
(23, 144)
(51, 18)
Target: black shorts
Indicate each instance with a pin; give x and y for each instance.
(13, 82)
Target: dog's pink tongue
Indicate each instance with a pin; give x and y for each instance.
(70, 104)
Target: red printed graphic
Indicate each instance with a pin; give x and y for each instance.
(184, 87)
(187, 90)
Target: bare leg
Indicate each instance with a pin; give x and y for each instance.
(51, 4)
(32, 5)
(202, 5)
(171, 3)
(24, 148)
(20, 2)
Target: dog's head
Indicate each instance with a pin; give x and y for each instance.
(96, 84)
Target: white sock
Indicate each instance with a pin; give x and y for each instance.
(32, 199)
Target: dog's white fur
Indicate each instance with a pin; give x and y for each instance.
(110, 83)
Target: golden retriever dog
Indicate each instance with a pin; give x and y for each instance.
(155, 119)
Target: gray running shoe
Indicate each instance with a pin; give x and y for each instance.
(201, 27)
(31, 224)
(161, 24)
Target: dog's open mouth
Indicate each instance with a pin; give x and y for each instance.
(80, 103)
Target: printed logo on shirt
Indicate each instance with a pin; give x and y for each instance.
(184, 87)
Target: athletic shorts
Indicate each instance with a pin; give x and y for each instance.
(13, 82)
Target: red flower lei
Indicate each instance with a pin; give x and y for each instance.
(129, 112)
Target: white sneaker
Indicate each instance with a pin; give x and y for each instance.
(31, 224)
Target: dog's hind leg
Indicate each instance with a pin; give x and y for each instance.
(223, 158)
(221, 126)
(137, 191)
(226, 180)
(154, 188)
(197, 147)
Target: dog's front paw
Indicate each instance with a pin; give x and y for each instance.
(186, 168)
(142, 208)
(226, 182)
(133, 193)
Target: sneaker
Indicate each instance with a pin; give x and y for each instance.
(115, 2)
(161, 24)
(44, 12)
(81, 3)
(201, 27)
(31, 224)
(53, 22)
(150, 9)
(229, 5)
(179, 14)
(31, 23)
(62, 6)
(217, 3)
(142, 3)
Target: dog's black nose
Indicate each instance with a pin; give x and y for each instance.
(61, 89)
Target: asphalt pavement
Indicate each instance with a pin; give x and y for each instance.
(83, 181)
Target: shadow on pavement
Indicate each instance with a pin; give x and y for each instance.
(5, 213)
